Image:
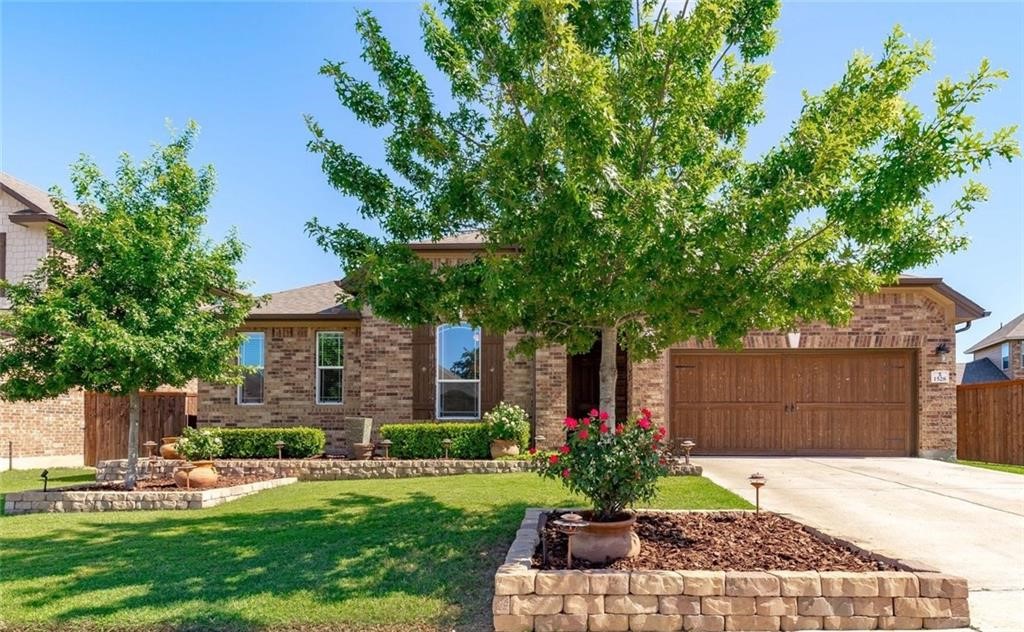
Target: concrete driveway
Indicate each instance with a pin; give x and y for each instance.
(958, 519)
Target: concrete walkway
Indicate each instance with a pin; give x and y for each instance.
(958, 519)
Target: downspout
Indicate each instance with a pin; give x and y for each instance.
(967, 326)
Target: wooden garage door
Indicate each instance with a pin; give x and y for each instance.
(795, 402)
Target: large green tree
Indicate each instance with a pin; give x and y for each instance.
(132, 296)
(600, 149)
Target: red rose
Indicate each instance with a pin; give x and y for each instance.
(564, 449)
(593, 412)
(565, 473)
(533, 450)
(570, 423)
(644, 423)
(583, 434)
(603, 416)
(585, 421)
(646, 412)
(603, 428)
(619, 428)
(553, 459)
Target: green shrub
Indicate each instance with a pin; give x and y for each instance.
(258, 443)
(470, 440)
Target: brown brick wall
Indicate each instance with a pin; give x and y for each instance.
(891, 319)
(386, 390)
(289, 387)
(49, 428)
(551, 394)
(518, 382)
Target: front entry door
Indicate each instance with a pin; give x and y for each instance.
(584, 386)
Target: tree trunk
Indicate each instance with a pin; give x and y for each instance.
(608, 374)
(131, 474)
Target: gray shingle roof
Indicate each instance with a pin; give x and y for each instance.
(32, 196)
(1013, 330)
(982, 370)
(320, 301)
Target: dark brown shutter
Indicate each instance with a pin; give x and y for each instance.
(492, 371)
(3, 260)
(423, 372)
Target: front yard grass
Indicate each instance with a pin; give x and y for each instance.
(405, 554)
(999, 467)
(22, 480)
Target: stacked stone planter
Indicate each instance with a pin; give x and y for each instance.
(341, 469)
(713, 601)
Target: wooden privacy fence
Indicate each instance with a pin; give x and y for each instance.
(106, 422)
(990, 422)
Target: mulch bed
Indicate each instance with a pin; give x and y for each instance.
(733, 541)
(162, 485)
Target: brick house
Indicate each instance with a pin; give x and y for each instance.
(881, 385)
(998, 356)
(47, 433)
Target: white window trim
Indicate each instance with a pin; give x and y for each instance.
(318, 366)
(1004, 356)
(437, 375)
(263, 391)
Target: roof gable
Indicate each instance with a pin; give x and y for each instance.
(1013, 330)
(312, 302)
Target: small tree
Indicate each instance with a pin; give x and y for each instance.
(601, 152)
(132, 296)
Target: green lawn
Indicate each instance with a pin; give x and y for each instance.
(21, 480)
(999, 467)
(405, 554)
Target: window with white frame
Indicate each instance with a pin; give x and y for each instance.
(1004, 352)
(330, 367)
(250, 356)
(458, 372)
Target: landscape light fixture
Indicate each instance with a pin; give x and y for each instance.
(45, 476)
(386, 444)
(150, 446)
(688, 445)
(447, 443)
(280, 448)
(757, 481)
(569, 524)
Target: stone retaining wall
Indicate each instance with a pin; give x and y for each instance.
(713, 601)
(340, 469)
(110, 500)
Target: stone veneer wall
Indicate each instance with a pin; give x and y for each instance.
(338, 469)
(712, 601)
(109, 500)
(289, 386)
(895, 318)
(47, 433)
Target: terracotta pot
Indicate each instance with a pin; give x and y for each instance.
(600, 542)
(503, 447)
(169, 450)
(362, 451)
(203, 475)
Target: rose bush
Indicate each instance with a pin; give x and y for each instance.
(614, 465)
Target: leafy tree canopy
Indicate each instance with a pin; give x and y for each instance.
(132, 295)
(599, 147)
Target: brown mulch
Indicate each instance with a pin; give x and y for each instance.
(162, 484)
(736, 541)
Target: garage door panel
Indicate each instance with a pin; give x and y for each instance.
(794, 402)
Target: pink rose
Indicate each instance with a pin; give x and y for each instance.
(564, 449)
(583, 434)
(586, 421)
(603, 416)
(644, 423)
(570, 423)
(603, 428)
(593, 412)
(565, 473)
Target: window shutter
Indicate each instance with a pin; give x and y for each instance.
(492, 370)
(3, 260)
(424, 371)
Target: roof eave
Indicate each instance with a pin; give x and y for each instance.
(31, 217)
(327, 317)
(966, 309)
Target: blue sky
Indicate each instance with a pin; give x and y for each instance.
(102, 78)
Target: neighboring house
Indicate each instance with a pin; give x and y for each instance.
(998, 356)
(50, 432)
(880, 385)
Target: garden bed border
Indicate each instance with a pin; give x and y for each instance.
(344, 469)
(93, 500)
(608, 600)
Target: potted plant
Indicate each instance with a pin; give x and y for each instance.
(200, 447)
(507, 426)
(614, 465)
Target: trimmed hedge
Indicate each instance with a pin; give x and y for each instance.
(258, 443)
(470, 440)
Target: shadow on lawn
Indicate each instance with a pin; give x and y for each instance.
(357, 547)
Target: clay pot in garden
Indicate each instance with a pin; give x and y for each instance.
(600, 542)
(362, 451)
(504, 447)
(202, 475)
(169, 449)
